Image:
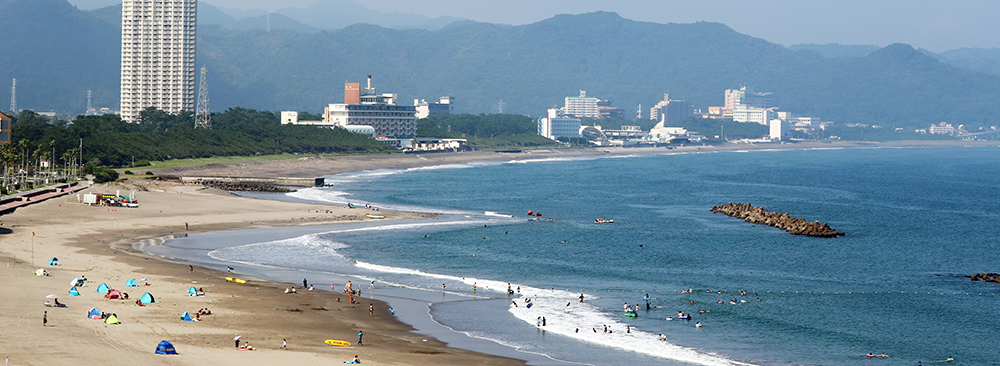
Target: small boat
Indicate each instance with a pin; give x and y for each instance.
(603, 221)
(370, 216)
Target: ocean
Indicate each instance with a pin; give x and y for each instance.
(917, 222)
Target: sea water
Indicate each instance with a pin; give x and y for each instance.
(917, 221)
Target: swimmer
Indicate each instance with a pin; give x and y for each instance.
(663, 338)
(697, 325)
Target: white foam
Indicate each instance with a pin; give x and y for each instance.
(566, 320)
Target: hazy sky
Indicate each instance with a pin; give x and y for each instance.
(932, 24)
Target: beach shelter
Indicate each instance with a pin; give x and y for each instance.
(54, 261)
(112, 319)
(94, 313)
(114, 295)
(192, 291)
(147, 298)
(130, 283)
(186, 317)
(40, 272)
(76, 282)
(73, 291)
(103, 288)
(165, 348)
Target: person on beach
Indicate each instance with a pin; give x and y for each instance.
(581, 297)
(305, 284)
(538, 322)
(185, 226)
(284, 344)
(372, 285)
(371, 309)
(45, 319)
(361, 336)
(356, 360)
(190, 269)
(543, 321)
(236, 340)
(514, 302)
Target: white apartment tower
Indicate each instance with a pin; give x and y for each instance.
(158, 51)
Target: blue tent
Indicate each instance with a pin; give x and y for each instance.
(192, 291)
(186, 317)
(94, 313)
(54, 261)
(146, 298)
(73, 291)
(165, 348)
(103, 288)
(130, 283)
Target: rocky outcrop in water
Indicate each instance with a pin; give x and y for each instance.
(986, 277)
(245, 186)
(793, 225)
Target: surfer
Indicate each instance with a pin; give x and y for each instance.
(581, 297)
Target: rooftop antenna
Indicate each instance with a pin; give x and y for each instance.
(202, 119)
(501, 106)
(268, 29)
(13, 96)
(90, 109)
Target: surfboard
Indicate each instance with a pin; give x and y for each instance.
(334, 342)
(237, 280)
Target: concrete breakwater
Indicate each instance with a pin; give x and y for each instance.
(793, 225)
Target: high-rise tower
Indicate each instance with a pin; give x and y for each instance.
(158, 51)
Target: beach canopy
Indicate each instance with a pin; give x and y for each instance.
(130, 283)
(94, 313)
(114, 295)
(103, 288)
(165, 348)
(40, 272)
(112, 319)
(186, 317)
(147, 298)
(192, 291)
(54, 261)
(73, 291)
(76, 282)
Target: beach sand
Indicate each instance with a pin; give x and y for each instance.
(96, 242)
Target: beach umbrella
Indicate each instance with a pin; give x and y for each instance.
(52, 296)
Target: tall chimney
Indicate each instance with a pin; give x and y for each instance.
(369, 81)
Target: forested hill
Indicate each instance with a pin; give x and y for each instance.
(530, 67)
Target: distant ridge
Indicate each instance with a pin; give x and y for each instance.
(530, 67)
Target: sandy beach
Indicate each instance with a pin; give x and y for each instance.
(96, 242)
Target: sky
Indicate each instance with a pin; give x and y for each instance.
(931, 24)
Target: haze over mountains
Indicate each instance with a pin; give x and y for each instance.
(57, 52)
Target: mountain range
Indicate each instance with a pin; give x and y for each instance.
(57, 52)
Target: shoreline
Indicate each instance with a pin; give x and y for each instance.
(309, 167)
(96, 242)
(84, 238)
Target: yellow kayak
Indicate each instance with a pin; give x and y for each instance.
(234, 279)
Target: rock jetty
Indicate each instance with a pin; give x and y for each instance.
(244, 186)
(986, 277)
(793, 225)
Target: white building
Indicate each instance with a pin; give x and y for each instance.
(582, 106)
(747, 114)
(444, 105)
(158, 56)
(942, 128)
(663, 134)
(779, 129)
(555, 125)
(292, 117)
(366, 108)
